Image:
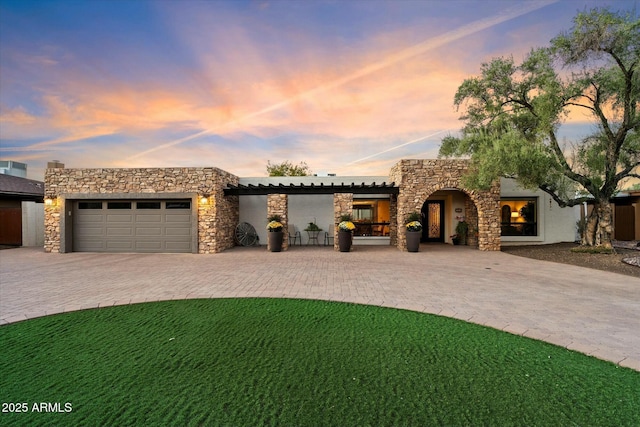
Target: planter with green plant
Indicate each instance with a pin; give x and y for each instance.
(313, 231)
(462, 231)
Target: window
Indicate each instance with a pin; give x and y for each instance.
(371, 217)
(148, 205)
(118, 205)
(519, 216)
(180, 204)
(89, 205)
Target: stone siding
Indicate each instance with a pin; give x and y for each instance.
(418, 179)
(342, 205)
(216, 219)
(278, 204)
(471, 216)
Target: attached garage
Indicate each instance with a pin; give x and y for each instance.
(133, 225)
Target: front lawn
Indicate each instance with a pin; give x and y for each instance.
(249, 362)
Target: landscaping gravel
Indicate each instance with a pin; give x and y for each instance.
(625, 260)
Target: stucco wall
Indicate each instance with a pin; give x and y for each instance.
(216, 220)
(555, 224)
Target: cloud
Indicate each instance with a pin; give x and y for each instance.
(246, 91)
(312, 94)
(16, 116)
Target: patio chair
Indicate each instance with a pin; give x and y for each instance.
(294, 235)
(328, 236)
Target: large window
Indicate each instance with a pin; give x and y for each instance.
(519, 216)
(371, 217)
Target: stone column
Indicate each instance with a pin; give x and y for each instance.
(471, 216)
(342, 205)
(393, 220)
(278, 204)
(52, 227)
(489, 219)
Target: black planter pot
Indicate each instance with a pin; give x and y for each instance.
(275, 241)
(344, 241)
(413, 241)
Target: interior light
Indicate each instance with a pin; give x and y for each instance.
(515, 214)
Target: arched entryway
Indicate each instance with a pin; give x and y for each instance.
(423, 181)
(441, 213)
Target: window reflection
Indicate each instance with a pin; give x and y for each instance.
(519, 216)
(371, 217)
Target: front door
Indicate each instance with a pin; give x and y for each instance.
(433, 220)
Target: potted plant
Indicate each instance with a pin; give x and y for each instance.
(276, 235)
(313, 227)
(462, 229)
(313, 231)
(345, 233)
(414, 232)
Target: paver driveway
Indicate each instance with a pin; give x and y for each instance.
(590, 311)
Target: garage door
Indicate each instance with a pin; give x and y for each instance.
(132, 226)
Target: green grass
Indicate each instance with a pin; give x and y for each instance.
(249, 362)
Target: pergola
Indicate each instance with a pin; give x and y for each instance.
(291, 189)
(277, 197)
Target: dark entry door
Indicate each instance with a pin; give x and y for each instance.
(11, 226)
(625, 223)
(433, 221)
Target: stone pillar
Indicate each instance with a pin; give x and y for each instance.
(489, 219)
(471, 216)
(52, 211)
(52, 227)
(393, 220)
(407, 203)
(278, 204)
(342, 205)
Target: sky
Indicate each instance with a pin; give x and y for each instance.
(347, 86)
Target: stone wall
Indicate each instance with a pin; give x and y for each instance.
(393, 220)
(418, 179)
(216, 219)
(471, 216)
(342, 205)
(277, 204)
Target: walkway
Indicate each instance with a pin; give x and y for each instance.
(590, 311)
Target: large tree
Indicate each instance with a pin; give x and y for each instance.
(512, 114)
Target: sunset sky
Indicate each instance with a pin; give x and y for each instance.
(349, 87)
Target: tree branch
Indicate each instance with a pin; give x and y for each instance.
(567, 171)
(600, 114)
(575, 104)
(561, 202)
(626, 172)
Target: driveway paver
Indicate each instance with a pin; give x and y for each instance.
(590, 311)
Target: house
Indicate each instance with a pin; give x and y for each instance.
(197, 210)
(21, 211)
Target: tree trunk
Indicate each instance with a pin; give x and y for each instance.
(598, 230)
